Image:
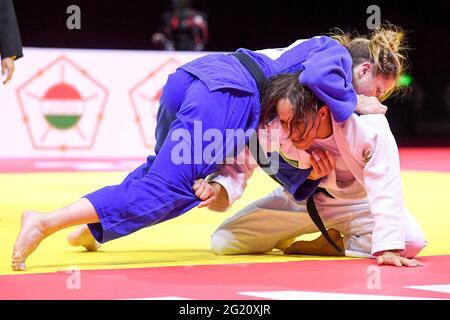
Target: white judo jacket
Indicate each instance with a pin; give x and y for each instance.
(369, 149)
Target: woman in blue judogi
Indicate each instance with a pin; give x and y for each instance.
(221, 93)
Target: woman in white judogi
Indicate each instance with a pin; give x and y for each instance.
(367, 200)
(367, 207)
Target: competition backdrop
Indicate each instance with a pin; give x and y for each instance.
(69, 103)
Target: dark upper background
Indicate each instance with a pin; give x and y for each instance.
(421, 117)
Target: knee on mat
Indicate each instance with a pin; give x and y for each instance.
(224, 243)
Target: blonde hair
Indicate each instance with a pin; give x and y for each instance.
(385, 47)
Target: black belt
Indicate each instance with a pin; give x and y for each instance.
(260, 80)
(315, 217)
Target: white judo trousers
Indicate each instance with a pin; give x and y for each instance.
(275, 220)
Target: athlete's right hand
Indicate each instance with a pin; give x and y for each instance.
(206, 191)
(322, 163)
(370, 105)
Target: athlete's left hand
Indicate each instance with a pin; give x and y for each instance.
(394, 259)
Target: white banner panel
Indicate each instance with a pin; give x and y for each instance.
(68, 103)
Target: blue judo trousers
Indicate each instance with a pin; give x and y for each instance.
(218, 91)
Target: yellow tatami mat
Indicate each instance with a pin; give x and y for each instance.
(181, 241)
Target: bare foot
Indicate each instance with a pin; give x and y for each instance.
(319, 246)
(83, 237)
(32, 232)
